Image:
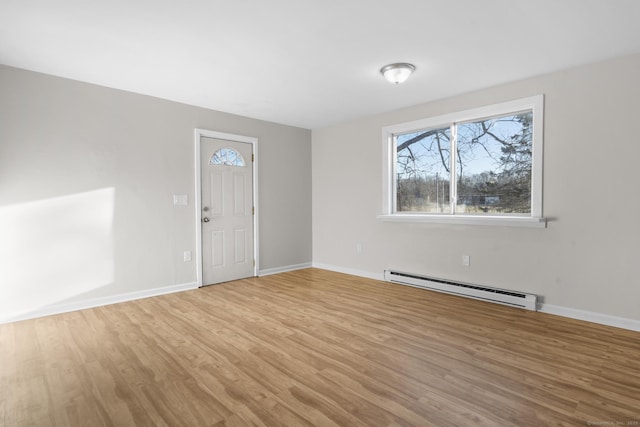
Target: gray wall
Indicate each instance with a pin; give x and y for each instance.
(584, 260)
(87, 176)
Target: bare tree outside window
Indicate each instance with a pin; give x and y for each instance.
(489, 163)
(423, 171)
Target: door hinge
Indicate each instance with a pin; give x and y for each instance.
(253, 210)
(252, 157)
(254, 262)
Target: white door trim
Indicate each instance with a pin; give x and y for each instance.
(198, 197)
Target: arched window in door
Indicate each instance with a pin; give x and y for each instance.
(227, 157)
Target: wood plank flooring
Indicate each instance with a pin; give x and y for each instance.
(316, 348)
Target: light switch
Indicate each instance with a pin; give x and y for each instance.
(180, 199)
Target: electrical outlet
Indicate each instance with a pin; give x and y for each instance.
(359, 248)
(187, 256)
(466, 260)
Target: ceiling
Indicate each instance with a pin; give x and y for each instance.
(310, 63)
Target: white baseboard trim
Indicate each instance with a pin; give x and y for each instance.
(590, 316)
(98, 302)
(276, 270)
(352, 271)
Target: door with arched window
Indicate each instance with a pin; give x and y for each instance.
(227, 210)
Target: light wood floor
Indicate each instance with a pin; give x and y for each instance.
(315, 348)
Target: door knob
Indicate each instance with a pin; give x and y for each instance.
(205, 219)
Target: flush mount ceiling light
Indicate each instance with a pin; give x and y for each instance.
(397, 73)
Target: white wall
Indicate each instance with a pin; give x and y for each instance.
(584, 260)
(87, 176)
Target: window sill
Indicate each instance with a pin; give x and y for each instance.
(504, 221)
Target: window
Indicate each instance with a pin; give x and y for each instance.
(227, 157)
(476, 166)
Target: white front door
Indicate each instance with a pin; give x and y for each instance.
(226, 174)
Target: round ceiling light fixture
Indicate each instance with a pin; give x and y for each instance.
(398, 72)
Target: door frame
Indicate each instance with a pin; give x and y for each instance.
(199, 133)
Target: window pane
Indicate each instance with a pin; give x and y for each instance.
(227, 157)
(493, 168)
(422, 171)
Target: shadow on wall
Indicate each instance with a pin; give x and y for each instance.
(54, 249)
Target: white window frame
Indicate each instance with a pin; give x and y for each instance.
(534, 219)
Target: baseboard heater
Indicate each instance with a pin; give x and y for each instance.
(498, 296)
